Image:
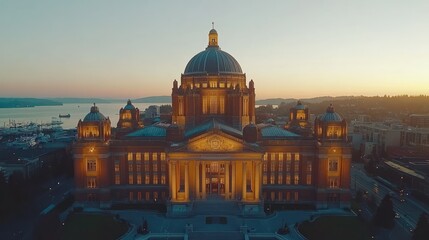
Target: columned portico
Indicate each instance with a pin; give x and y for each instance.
(219, 178)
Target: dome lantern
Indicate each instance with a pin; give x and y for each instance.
(213, 37)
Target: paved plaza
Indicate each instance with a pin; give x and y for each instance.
(215, 224)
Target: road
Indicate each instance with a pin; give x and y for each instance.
(408, 211)
(20, 225)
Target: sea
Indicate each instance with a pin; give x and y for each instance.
(47, 114)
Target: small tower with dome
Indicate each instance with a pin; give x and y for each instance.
(94, 127)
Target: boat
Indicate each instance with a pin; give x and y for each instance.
(64, 115)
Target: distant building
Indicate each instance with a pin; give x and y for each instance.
(152, 112)
(418, 120)
(376, 137)
(213, 149)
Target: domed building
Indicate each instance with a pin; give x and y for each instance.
(212, 149)
(213, 86)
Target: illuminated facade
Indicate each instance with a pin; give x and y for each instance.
(212, 149)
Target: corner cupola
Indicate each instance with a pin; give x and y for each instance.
(94, 127)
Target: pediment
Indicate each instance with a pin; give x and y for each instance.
(215, 142)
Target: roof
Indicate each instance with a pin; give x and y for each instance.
(129, 105)
(300, 106)
(150, 131)
(330, 115)
(213, 61)
(94, 115)
(210, 125)
(272, 131)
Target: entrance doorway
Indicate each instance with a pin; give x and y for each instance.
(215, 178)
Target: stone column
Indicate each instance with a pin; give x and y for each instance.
(203, 180)
(186, 180)
(197, 179)
(233, 180)
(257, 180)
(244, 175)
(227, 181)
(173, 181)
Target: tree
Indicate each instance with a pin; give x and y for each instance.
(422, 228)
(385, 216)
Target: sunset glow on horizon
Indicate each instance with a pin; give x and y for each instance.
(291, 49)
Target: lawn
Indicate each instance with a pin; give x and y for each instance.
(335, 227)
(93, 226)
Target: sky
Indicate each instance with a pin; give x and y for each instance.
(291, 49)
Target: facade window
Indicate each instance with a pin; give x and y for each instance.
(288, 163)
(296, 179)
(117, 179)
(163, 167)
(296, 167)
(288, 178)
(130, 178)
(91, 165)
(162, 156)
(138, 156)
(205, 105)
(272, 179)
(117, 169)
(213, 84)
(155, 196)
(180, 106)
(131, 196)
(280, 179)
(138, 167)
(222, 105)
(288, 156)
(308, 180)
(146, 156)
(213, 104)
(333, 182)
(281, 165)
(265, 156)
(264, 179)
(130, 156)
(163, 179)
(333, 165)
(147, 178)
(272, 156)
(273, 166)
(297, 158)
(154, 157)
(264, 166)
(91, 182)
(130, 166)
(155, 167)
(139, 196)
(309, 167)
(155, 178)
(295, 196)
(287, 196)
(281, 156)
(139, 178)
(147, 196)
(146, 167)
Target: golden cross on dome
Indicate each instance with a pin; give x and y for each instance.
(212, 25)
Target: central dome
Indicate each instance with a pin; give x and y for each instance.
(213, 60)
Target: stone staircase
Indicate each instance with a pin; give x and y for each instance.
(213, 206)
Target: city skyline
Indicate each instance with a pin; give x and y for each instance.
(290, 49)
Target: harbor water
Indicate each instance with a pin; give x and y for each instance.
(47, 114)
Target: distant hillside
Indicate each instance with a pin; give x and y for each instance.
(26, 102)
(277, 101)
(82, 100)
(153, 99)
